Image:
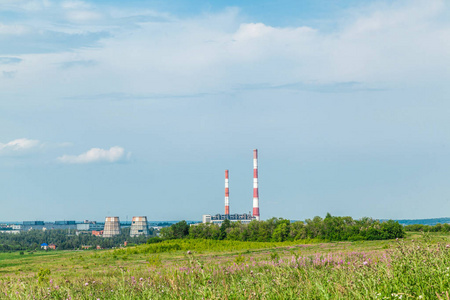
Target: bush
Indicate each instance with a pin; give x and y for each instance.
(154, 240)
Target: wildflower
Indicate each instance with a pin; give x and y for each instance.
(86, 284)
(189, 252)
(365, 263)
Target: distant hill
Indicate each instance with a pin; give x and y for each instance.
(423, 221)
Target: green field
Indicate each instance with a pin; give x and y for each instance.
(417, 267)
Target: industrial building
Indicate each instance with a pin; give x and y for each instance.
(65, 223)
(243, 218)
(218, 219)
(89, 227)
(139, 226)
(5, 228)
(41, 225)
(112, 227)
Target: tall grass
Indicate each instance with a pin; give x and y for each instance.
(203, 245)
(405, 271)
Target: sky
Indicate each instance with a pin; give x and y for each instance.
(136, 108)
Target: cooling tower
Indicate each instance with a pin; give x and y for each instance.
(139, 226)
(112, 227)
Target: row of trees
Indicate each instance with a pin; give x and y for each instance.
(31, 240)
(276, 229)
(428, 228)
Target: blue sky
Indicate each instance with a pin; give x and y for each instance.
(137, 108)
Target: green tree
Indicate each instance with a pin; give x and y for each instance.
(180, 229)
(223, 229)
(281, 232)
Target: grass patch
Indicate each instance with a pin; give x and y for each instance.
(195, 269)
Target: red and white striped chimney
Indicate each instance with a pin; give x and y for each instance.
(227, 194)
(255, 185)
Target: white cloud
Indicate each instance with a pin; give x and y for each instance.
(114, 154)
(13, 29)
(381, 45)
(19, 146)
(75, 5)
(83, 16)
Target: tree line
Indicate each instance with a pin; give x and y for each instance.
(428, 228)
(32, 240)
(330, 228)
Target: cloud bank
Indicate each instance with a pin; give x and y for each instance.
(19, 146)
(132, 51)
(95, 155)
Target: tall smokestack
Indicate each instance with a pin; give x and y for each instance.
(227, 194)
(255, 185)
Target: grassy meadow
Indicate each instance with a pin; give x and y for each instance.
(417, 267)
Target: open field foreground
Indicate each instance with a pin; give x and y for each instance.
(417, 267)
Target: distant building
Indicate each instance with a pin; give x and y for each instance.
(139, 226)
(90, 226)
(44, 246)
(40, 225)
(219, 218)
(33, 223)
(206, 219)
(52, 246)
(4, 228)
(65, 223)
(112, 227)
(16, 227)
(97, 233)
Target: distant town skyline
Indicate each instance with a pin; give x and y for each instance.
(136, 108)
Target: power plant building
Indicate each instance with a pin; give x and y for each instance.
(243, 218)
(218, 219)
(90, 226)
(112, 227)
(139, 226)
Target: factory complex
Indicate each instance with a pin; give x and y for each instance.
(243, 218)
(139, 224)
(111, 227)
